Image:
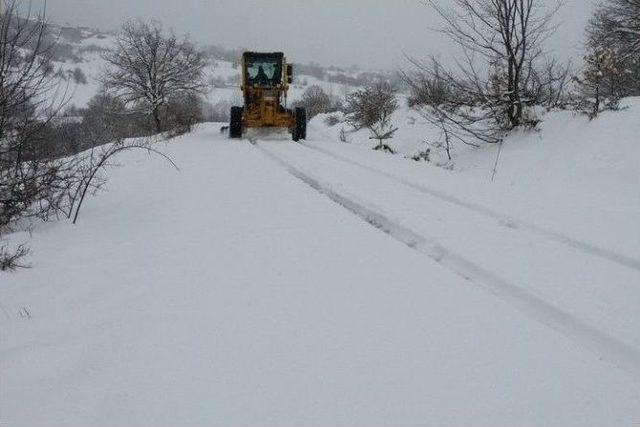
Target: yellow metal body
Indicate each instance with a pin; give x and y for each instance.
(265, 105)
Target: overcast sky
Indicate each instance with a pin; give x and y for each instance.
(372, 33)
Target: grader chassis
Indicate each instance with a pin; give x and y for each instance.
(265, 84)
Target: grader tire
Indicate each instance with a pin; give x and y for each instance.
(235, 124)
(300, 127)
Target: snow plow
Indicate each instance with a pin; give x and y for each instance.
(265, 84)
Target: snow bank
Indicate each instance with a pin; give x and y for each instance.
(573, 175)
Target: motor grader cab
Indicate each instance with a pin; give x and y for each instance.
(265, 84)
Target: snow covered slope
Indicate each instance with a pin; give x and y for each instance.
(84, 52)
(251, 288)
(575, 176)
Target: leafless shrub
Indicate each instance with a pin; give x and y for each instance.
(498, 76)
(183, 113)
(428, 85)
(332, 120)
(109, 114)
(372, 107)
(316, 101)
(12, 259)
(547, 84)
(455, 105)
(422, 156)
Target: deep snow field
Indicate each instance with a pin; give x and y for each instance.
(269, 282)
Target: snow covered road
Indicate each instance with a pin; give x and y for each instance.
(233, 292)
(602, 343)
(601, 290)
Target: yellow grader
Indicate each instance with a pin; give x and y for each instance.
(265, 84)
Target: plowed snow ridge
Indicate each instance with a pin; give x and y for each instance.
(603, 345)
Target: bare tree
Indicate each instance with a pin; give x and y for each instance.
(614, 28)
(38, 180)
(30, 182)
(501, 71)
(508, 36)
(372, 107)
(148, 67)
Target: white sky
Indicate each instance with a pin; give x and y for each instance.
(371, 33)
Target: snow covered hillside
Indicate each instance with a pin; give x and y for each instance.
(572, 175)
(82, 50)
(325, 283)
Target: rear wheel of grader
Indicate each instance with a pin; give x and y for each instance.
(235, 125)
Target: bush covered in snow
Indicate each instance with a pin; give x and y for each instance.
(372, 107)
(317, 101)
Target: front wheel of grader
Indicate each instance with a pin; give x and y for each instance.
(300, 125)
(235, 124)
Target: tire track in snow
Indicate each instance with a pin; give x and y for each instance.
(584, 247)
(604, 346)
